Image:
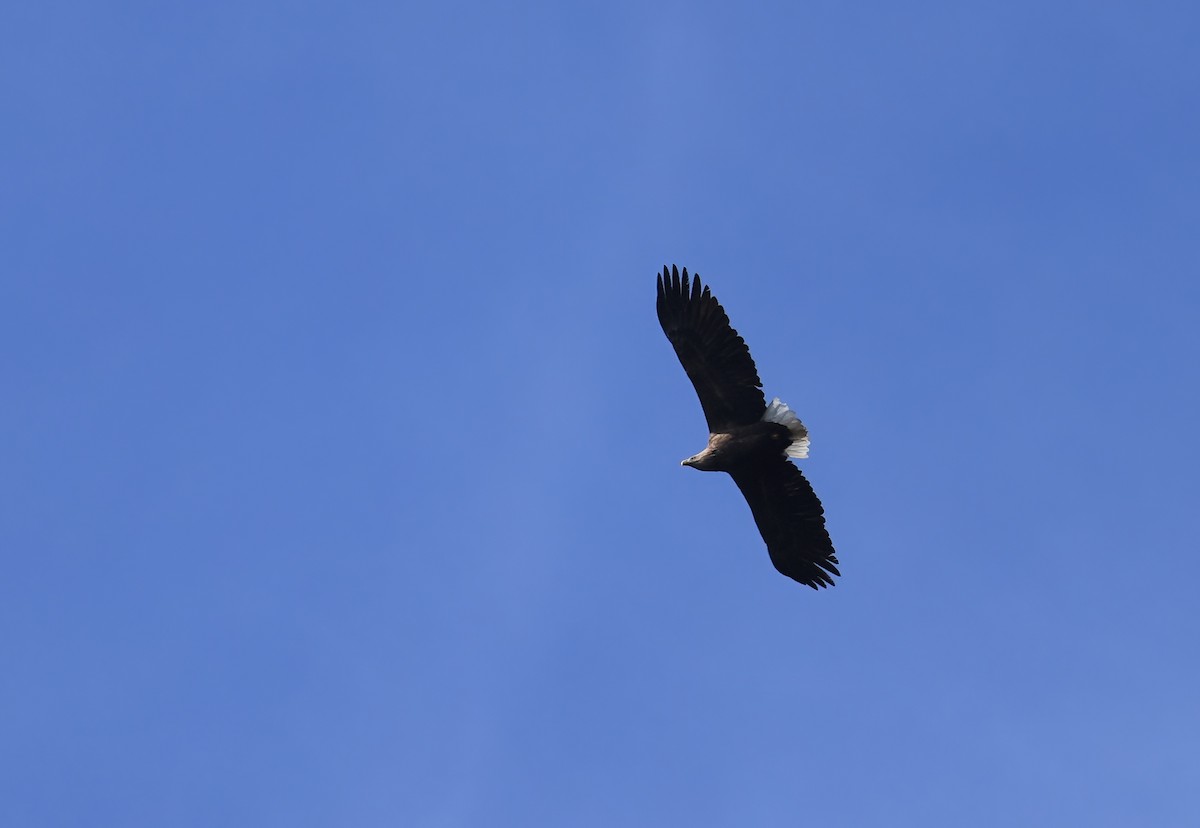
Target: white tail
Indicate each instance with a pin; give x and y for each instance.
(778, 412)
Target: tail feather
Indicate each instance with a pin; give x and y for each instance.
(778, 412)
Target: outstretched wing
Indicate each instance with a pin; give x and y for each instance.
(791, 520)
(716, 359)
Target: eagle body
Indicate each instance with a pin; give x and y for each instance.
(749, 439)
(740, 447)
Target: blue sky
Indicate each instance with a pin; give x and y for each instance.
(340, 472)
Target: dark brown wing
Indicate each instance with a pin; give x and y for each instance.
(791, 520)
(716, 359)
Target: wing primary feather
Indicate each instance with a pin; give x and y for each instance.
(712, 353)
(791, 520)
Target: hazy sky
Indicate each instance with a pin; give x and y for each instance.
(339, 478)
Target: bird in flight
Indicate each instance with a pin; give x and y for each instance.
(748, 438)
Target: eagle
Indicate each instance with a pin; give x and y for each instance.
(749, 439)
